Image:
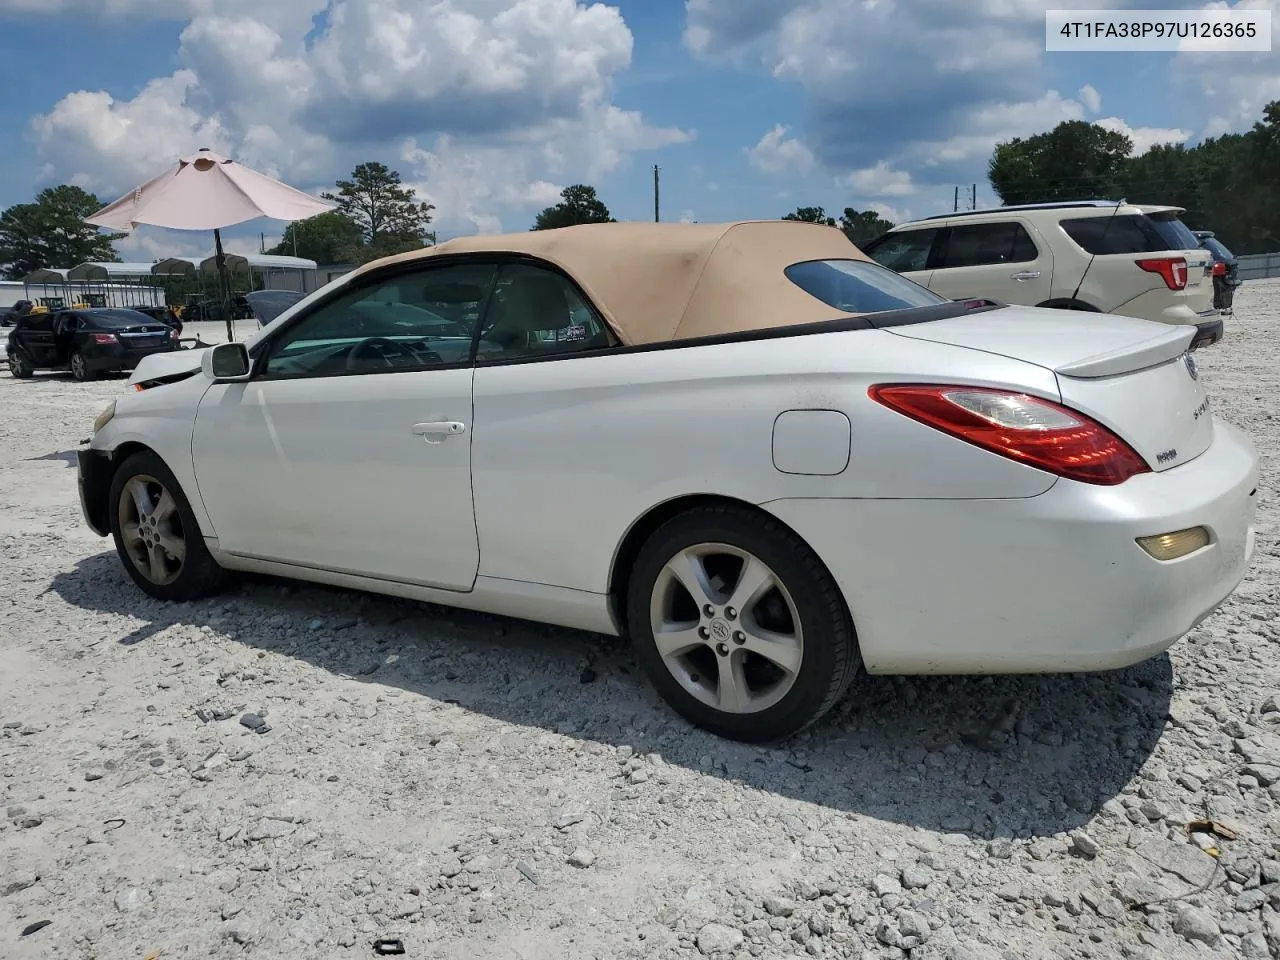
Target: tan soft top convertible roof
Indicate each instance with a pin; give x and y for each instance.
(671, 281)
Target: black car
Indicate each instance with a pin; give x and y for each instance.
(1226, 270)
(86, 342)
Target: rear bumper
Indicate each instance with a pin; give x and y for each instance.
(1045, 584)
(1208, 330)
(93, 478)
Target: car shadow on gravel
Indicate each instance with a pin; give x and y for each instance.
(983, 756)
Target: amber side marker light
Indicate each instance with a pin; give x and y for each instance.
(1180, 543)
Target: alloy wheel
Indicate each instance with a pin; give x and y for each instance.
(78, 369)
(151, 529)
(726, 628)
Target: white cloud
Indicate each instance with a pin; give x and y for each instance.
(777, 153)
(880, 181)
(1144, 138)
(1231, 88)
(1091, 98)
(994, 123)
(929, 87)
(489, 103)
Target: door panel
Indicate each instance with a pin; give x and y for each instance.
(337, 473)
(351, 448)
(1005, 260)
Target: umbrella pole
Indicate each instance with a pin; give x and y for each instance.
(224, 287)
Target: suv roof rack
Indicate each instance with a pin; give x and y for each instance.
(1055, 205)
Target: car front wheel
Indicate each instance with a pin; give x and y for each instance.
(156, 533)
(739, 625)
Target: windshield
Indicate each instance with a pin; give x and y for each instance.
(857, 286)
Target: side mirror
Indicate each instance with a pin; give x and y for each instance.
(226, 362)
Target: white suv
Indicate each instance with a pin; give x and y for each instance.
(1099, 255)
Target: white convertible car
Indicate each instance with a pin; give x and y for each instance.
(765, 459)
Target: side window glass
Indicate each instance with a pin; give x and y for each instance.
(905, 250)
(537, 312)
(410, 321)
(986, 244)
(1110, 234)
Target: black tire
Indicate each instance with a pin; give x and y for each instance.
(198, 574)
(79, 368)
(829, 661)
(20, 365)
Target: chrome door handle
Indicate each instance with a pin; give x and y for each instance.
(1025, 275)
(438, 430)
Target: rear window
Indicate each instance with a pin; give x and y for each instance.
(1176, 233)
(856, 286)
(1129, 233)
(117, 318)
(1216, 247)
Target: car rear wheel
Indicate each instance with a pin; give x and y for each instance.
(156, 533)
(739, 625)
(20, 365)
(79, 368)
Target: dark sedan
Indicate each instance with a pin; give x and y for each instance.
(86, 342)
(1226, 270)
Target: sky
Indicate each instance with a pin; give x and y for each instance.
(488, 108)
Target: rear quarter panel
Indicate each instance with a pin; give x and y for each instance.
(568, 454)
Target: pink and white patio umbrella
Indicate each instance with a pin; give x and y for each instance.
(206, 191)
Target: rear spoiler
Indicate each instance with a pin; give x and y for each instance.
(1161, 348)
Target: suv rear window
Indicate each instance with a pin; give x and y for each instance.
(1129, 233)
(856, 286)
(1216, 247)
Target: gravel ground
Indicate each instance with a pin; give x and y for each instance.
(290, 771)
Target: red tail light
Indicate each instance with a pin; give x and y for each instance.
(104, 338)
(1219, 269)
(1033, 431)
(1173, 270)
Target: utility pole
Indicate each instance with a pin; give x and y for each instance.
(955, 206)
(655, 193)
(974, 204)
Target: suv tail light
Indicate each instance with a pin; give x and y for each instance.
(1039, 433)
(103, 338)
(1173, 270)
(1219, 268)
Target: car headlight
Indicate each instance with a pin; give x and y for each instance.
(104, 417)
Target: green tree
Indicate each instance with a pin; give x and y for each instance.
(388, 213)
(860, 227)
(325, 238)
(811, 215)
(1075, 160)
(578, 204)
(51, 233)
